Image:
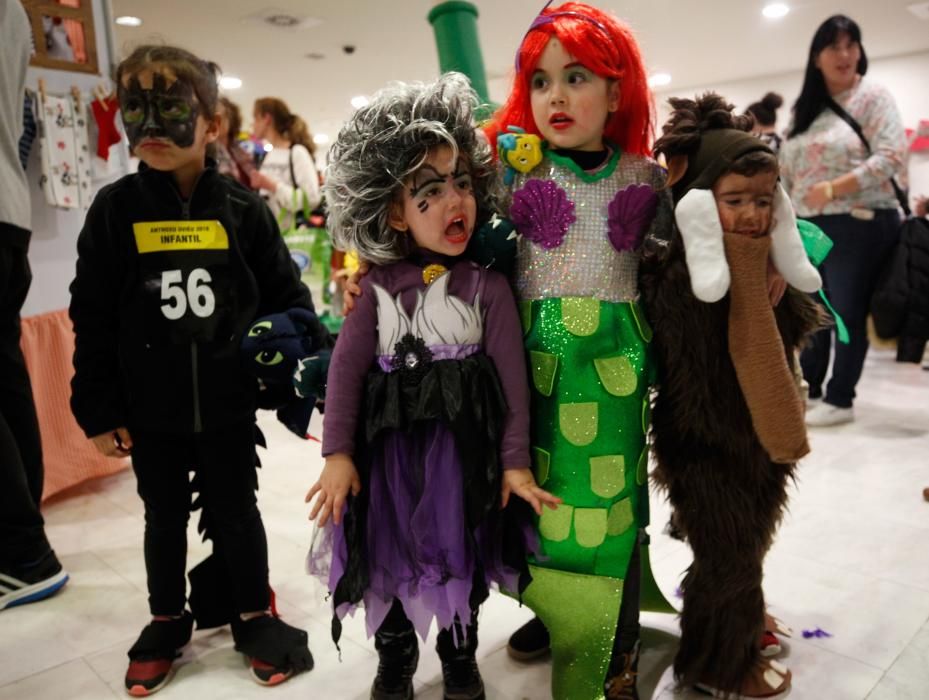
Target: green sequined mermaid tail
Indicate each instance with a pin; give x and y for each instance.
(591, 368)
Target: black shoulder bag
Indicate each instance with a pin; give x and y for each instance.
(891, 293)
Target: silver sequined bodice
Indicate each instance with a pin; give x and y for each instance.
(586, 264)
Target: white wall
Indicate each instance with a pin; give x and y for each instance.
(52, 252)
(907, 77)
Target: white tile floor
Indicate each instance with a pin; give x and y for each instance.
(851, 558)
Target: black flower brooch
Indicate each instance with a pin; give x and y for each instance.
(411, 358)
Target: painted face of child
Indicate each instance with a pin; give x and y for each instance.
(438, 206)
(570, 103)
(745, 203)
(162, 118)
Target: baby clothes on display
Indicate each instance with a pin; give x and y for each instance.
(105, 112)
(65, 153)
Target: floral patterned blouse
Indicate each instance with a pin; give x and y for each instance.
(830, 149)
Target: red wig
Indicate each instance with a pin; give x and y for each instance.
(605, 45)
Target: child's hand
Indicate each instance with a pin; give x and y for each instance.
(115, 443)
(352, 288)
(339, 475)
(522, 483)
(777, 285)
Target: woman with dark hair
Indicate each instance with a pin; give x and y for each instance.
(843, 185)
(287, 179)
(765, 114)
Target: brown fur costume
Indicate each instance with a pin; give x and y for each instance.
(727, 494)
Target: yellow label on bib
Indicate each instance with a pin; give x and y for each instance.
(165, 236)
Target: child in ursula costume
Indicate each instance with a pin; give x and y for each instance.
(728, 418)
(582, 210)
(427, 429)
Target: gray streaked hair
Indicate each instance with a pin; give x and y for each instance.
(383, 144)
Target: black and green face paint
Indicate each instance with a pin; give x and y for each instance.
(163, 112)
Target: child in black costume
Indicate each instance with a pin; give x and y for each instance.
(174, 263)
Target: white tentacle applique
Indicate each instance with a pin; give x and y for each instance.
(439, 318)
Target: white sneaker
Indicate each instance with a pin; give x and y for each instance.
(813, 402)
(825, 414)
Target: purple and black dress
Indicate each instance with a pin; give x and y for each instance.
(428, 392)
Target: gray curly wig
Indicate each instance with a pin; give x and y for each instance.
(383, 144)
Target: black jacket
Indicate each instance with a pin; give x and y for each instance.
(163, 292)
(900, 305)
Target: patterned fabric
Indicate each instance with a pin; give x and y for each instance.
(586, 264)
(830, 149)
(65, 153)
(29, 129)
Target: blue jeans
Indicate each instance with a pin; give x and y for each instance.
(849, 273)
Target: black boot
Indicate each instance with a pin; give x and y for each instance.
(398, 655)
(460, 676)
(621, 678)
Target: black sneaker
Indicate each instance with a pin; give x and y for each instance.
(529, 642)
(31, 583)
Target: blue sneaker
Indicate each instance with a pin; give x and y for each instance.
(31, 583)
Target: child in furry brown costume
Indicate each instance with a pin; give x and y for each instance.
(728, 418)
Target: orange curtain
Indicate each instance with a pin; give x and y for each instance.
(75, 32)
(70, 458)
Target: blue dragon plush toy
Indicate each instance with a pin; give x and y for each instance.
(278, 349)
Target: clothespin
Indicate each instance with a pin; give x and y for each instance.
(100, 94)
(76, 95)
(42, 88)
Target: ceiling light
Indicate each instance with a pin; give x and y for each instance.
(320, 139)
(129, 21)
(775, 10)
(659, 79)
(230, 82)
(359, 102)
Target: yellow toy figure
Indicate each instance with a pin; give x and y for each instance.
(519, 151)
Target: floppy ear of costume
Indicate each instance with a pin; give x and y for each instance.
(698, 221)
(787, 251)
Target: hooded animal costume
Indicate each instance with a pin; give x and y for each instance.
(728, 423)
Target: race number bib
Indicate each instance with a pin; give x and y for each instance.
(188, 288)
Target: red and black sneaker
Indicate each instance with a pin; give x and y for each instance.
(268, 674)
(151, 658)
(148, 675)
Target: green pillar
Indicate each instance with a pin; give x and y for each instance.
(455, 25)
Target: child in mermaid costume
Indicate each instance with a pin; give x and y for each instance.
(427, 404)
(582, 213)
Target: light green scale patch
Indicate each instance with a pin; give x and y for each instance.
(646, 414)
(617, 375)
(525, 315)
(578, 422)
(607, 475)
(590, 525)
(620, 517)
(555, 525)
(543, 462)
(544, 371)
(645, 330)
(641, 475)
(580, 315)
